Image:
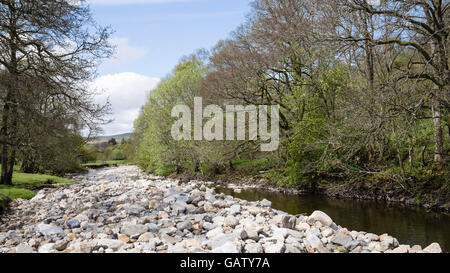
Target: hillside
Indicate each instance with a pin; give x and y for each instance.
(105, 139)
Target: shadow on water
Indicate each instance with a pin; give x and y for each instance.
(412, 226)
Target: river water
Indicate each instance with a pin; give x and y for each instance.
(412, 226)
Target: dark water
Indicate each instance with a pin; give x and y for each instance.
(410, 226)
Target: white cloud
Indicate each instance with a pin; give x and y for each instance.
(127, 93)
(125, 52)
(125, 2)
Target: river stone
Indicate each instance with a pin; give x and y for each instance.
(252, 233)
(352, 245)
(401, 249)
(371, 237)
(169, 231)
(276, 248)
(208, 226)
(280, 234)
(295, 234)
(433, 248)
(176, 248)
(214, 233)
(235, 209)
(131, 229)
(231, 221)
(78, 247)
(321, 217)
(112, 244)
(327, 232)
(191, 243)
(61, 245)
(47, 248)
(265, 203)
(415, 249)
(303, 227)
(254, 210)
(382, 247)
(241, 234)
(179, 206)
(73, 223)
(220, 240)
(313, 241)
(254, 248)
(9, 235)
(153, 228)
(178, 196)
(227, 247)
(313, 231)
(288, 221)
(341, 239)
(48, 230)
(184, 225)
(358, 249)
(150, 246)
(133, 209)
(389, 241)
(24, 248)
(60, 197)
(145, 237)
(292, 249)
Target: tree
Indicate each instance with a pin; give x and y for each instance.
(362, 90)
(422, 26)
(156, 147)
(112, 142)
(56, 44)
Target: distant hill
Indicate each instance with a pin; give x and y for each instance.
(105, 139)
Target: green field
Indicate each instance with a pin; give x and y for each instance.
(24, 185)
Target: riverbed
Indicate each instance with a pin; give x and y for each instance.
(123, 210)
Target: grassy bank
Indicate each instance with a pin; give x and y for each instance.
(25, 184)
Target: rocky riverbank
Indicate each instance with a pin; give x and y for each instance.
(431, 199)
(124, 210)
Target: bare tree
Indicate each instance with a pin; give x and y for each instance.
(422, 26)
(56, 42)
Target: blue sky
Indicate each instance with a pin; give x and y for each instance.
(151, 36)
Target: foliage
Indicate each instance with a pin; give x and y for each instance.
(362, 91)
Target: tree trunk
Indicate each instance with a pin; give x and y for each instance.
(29, 164)
(438, 135)
(13, 138)
(4, 180)
(422, 156)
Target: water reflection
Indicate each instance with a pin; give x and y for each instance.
(410, 226)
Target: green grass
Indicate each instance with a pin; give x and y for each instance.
(24, 184)
(277, 178)
(30, 181)
(4, 200)
(15, 193)
(164, 171)
(253, 165)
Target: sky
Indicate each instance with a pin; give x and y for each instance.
(150, 38)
